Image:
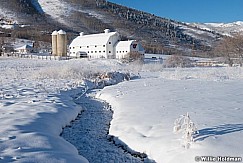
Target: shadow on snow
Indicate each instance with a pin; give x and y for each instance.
(217, 131)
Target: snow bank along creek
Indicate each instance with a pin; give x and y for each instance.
(89, 133)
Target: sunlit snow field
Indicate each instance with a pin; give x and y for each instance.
(145, 111)
(36, 103)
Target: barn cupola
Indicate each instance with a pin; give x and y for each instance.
(81, 34)
(107, 31)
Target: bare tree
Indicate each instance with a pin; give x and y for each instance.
(237, 43)
(231, 47)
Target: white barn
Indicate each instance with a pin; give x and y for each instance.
(103, 45)
(124, 47)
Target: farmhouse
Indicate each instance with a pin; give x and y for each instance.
(24, 49)
(103, 45)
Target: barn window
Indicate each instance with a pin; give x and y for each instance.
(126, 51)
(109, 42)
(99, 51)
(104, 51)
(70, 47)
(117, 52)
(120, 51)
(91, 51)
(109, 51)
(95, 45)
(103, 45)
(80, 47)
(95, 51)
(73, 47)
(87, 46)
(88, 51)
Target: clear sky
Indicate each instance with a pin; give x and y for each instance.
(204, 11)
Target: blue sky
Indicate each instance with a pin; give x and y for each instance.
(204, 11)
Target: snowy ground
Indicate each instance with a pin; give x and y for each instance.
(89, 134)
(36, 102)
(145, 111)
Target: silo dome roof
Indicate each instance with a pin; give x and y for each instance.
(54, 33)
(61, 32)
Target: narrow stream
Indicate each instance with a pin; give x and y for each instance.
(89, 134)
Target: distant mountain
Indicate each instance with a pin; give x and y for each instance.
(37, 19)
(222, 28)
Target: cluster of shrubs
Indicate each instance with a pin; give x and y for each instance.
(178, 61)
(133, 57)
(171, 61)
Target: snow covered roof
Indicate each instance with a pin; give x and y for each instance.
(54, 33)
(124, 43)
(61, 32)
(24, 47)
(95, 39)
(129, 43)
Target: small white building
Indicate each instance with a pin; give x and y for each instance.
(125, 47)
(24, 49)
(103, 45)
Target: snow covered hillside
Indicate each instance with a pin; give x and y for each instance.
(57, 9)
(223, 28)
(7, 14)
(44, 16)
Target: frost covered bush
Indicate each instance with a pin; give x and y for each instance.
(215, 74)
(187, 127)
(177, 61)
(69, 70)
(153, 67)
(132, 57)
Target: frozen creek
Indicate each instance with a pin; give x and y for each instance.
(89, 134)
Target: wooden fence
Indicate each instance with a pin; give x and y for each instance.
(35, 56)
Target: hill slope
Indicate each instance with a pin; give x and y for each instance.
(223, 28)
(92, 16)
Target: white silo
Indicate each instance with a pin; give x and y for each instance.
(54, 43)
(61, 43)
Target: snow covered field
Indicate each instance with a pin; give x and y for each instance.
(145, 111)
(36, 102)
